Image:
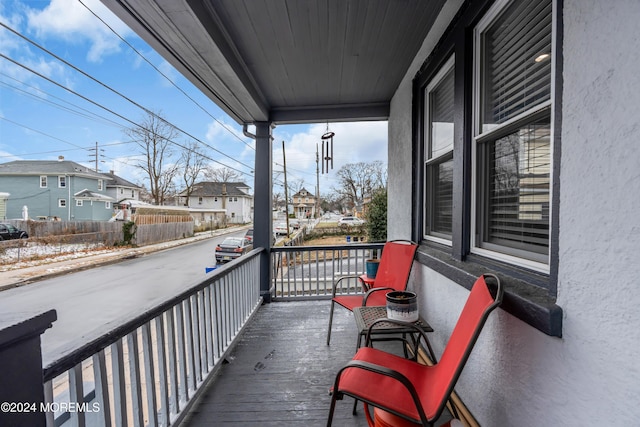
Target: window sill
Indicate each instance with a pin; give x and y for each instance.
(525, 296)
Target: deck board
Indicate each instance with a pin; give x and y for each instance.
(280, 372)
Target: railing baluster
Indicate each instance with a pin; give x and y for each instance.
(163, 413)
(188, 319)
(102, 386)
(195, 332)
(134, 378)
(48, 399)
(181, 357)
(172, 362)
(150, 378)
(119, 386)
(76, 394)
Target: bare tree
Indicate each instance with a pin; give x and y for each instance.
(222, 174)
(154, 138)
(193, 165)
(359, 180)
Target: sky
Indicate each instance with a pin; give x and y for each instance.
(48, 108)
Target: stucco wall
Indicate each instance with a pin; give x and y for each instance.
(517, 376)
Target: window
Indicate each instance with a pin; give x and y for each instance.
(439, 155)
(79, 203)
(62, 203)
(121, 190)
(43, 181)
(215, 199)
(107, 205)
(62, 181)
(100, 184)
(513, 133)
(199, 200)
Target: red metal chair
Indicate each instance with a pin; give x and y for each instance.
(411, 390)
(393, 274)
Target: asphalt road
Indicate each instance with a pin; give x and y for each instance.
(91, 302)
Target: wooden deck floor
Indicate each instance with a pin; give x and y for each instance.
(281, 371)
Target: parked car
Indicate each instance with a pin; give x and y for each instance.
(281, 229)
(249, 236)
(294, 223)
(349, 221)
(8, 232)
(232, 248)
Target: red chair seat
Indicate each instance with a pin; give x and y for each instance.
(385, 391)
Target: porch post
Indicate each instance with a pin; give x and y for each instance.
(262, 222)
(22, 390)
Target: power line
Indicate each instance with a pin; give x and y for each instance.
(109, 110)
(112, 90)
(165, 76)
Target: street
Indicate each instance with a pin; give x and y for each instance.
(91, 302)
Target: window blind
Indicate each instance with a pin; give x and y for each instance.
(516, 76)
(519, 175)
(442, 194)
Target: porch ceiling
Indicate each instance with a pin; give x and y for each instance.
(287, 61)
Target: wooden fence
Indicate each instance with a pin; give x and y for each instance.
(156, 233)
(153, 229)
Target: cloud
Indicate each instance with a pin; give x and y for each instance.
(73, 23)
(352, 143)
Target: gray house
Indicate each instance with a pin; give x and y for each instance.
(55, 189)
(233, 197)
(120, 189)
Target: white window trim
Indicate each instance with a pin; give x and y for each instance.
(62, 203)
(496, 9)
(448, 66)
(46, 181)
(60, 179)
(79, 202)
(100, 184)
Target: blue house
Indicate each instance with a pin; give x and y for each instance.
(54, 189)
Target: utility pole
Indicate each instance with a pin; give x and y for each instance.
(317, 182)
(96, 155)
(286, 192)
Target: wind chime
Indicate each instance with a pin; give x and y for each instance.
(327, 150)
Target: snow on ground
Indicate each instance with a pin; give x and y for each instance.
(29, 254)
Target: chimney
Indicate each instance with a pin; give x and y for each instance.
(60, 158)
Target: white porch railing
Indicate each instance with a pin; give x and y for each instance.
(309, 271)
(150, 370)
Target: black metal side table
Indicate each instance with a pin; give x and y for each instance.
(365, 316)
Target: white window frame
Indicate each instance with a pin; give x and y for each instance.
(100, 185)
(448, 66)
(79, 202)
(44, 182)
(62, 203)
(492, 14)
(62, 181)
(107, 205)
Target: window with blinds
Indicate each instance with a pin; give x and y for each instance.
(518, 177)
(439, 153)
(514, 144)
(516, 65)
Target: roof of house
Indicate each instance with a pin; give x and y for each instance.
(48, 167)
(92, 195)
(117, 181)
(207, 188)
(303, 193)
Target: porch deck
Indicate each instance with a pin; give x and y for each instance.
(280, 372)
